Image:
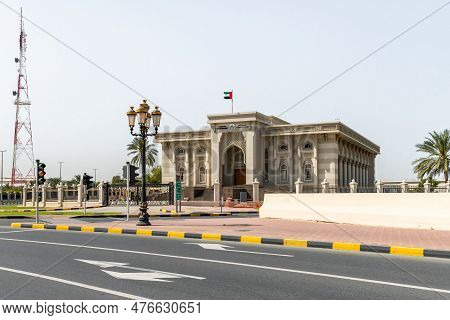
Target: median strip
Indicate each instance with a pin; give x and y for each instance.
(357, 247)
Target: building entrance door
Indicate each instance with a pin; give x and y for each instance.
(234, 167)
(239, 177)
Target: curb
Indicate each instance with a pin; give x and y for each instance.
(396, 250)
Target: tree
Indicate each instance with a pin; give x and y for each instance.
(437, 160)
(135, 148)
(53, 182)
(75, 180)
(117, 180)
(155, 176)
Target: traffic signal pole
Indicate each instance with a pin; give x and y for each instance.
(128, 191)
(84, 196)
(36, 191)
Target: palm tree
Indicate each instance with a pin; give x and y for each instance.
(135, 148)
(437, 146)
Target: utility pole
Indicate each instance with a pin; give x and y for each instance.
(1, 179)
(60, 170)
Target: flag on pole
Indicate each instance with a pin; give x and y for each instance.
(228, 95)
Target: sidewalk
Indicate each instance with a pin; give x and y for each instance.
(286, 229)
(134, 210)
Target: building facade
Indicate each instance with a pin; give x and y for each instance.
(241, 147)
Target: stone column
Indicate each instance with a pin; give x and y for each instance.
(447, 185)
(404, 186)
(24, 195)
(250, 156)
(353, 186)
(345, 173)
(379, 186)
(216, 191)
(427, 187)
(341, 172)
(256, 190)
(325, 186)
(298, 186)
(60, 194)
(80, 194)
(215, 156)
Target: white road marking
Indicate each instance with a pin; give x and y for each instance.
(222, 247)
(326, 275)
(107, 264)
(142, 276)
(15, 231)
(76, 284)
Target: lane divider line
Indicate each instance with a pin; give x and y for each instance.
(357, 247)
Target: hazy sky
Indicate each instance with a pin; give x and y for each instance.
(184, 54)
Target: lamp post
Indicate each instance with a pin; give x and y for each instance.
(144, 121)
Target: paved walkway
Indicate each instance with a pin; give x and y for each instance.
(156, 209)
(287, 229)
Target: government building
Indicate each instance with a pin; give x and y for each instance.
(238, 148)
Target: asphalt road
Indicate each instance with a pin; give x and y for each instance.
(42, 264)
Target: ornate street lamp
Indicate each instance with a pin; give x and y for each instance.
(144, 121)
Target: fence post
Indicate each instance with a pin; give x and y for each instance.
(298, 186)
(60, 187)
(216, 191)
(353, 186)
(100, 193)
(379, 186)
(325, 186)
(44, 194)
(427, 187)
(80, 194)
(24, 195)
(256, 190)
(404, 186)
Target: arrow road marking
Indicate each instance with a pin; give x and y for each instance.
(143, 276)
(222, 247)
(147, 275)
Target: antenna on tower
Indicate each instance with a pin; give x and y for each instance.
(23, 156)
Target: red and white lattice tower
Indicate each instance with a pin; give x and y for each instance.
(23, 157)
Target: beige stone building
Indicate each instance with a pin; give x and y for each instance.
(241, 147)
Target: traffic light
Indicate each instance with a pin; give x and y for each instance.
(41, 173)
(87, 181)
(133, 175)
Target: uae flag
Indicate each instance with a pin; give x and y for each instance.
(228, 95)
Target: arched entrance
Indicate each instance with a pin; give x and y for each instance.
(233, 173)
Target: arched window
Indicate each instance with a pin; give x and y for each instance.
(201, 150)
(202, 174)
(284, 172)
(308, 172)
(283, 147)
(308, 146)
(180, 152)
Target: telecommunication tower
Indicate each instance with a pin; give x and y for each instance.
(23, 156)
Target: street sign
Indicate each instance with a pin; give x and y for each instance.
(178, 190)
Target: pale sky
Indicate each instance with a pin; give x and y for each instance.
(184, 54)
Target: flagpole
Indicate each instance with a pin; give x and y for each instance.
(232, 101)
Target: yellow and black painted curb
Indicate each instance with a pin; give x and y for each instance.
(397, 250)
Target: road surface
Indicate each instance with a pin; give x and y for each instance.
(44, 264)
